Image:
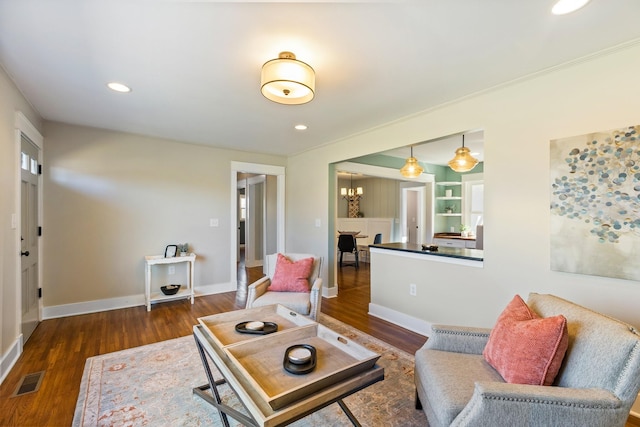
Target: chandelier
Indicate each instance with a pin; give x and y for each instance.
(352, 193)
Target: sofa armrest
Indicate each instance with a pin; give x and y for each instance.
(257, 289)
(458, 339)
(495, 403)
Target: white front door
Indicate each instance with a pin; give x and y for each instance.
(29, 236)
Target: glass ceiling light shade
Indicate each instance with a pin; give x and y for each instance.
(288, 81)
(463, 160)
(411, 168)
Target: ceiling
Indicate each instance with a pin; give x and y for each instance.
(194, 66)
(441, 150)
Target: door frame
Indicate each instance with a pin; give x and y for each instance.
(251, 222)
(24, 126)
(279, 172)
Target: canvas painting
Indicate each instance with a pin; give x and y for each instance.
(595, 204)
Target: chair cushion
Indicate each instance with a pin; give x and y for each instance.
(291, 276)
(524, 348)
(296, 301)
(448, 380)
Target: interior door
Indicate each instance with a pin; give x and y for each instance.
(29, 237)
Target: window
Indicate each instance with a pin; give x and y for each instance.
(243, 207)
(24, 161)
(473, 201)
(28, 164)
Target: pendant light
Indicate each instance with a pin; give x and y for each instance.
(411, 168)
(463, 160)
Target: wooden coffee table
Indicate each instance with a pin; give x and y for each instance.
(252, 365)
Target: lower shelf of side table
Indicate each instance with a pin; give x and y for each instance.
(159, 296)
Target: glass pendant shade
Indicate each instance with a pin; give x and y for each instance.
(288, 81)
(463, 160)
(411, 168)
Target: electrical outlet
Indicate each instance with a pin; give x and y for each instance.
(413, 291)
(172, 269)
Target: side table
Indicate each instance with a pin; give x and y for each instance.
(155, 295)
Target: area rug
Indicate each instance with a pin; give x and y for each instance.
(152, 386)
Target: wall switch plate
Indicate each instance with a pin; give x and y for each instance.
(318, 222)
(213, 222)
(413, 291)
(172, 269)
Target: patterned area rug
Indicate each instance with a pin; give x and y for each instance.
(152, 386)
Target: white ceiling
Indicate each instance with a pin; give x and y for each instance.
(194, 66)
(440, 151)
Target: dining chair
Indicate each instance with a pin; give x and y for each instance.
(347, 244)
(364, 249)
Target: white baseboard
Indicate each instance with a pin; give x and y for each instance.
(10, 358)
(411, 323)
(330, 292)
(217, 288)
(85, 307)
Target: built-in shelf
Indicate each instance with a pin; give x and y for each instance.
(449, 214)
(448, 183)
(448, 198)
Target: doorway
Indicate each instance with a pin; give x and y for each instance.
(257, 217)
(417, 213)
(29, 143)
(271, 214)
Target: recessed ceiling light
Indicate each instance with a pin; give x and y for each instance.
(562, 7)
(118, 87)
(301, 127)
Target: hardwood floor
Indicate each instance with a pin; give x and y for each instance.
(352, 305)
(60, 346)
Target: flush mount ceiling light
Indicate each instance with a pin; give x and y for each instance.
(463, 160)
(118, 87)
(288, 81)
(562, 7)
(411, 168)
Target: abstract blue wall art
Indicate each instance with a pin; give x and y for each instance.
(595, 204)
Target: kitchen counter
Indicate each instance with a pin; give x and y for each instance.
(405, 279)
(446, 252)
(456, 236)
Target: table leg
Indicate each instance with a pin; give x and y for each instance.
(214, 398)
(349, 414)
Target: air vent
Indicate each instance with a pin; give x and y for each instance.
(30, 383)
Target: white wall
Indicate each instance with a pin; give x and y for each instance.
(111, 198)
(518, 120)
(11, 100)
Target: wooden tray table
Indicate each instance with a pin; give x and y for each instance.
(221, 327)
(343, 367)
(260, 363)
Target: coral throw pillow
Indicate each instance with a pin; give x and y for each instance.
(524, 348)
(291, 276)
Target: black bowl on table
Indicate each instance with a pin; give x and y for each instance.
(170, 289)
